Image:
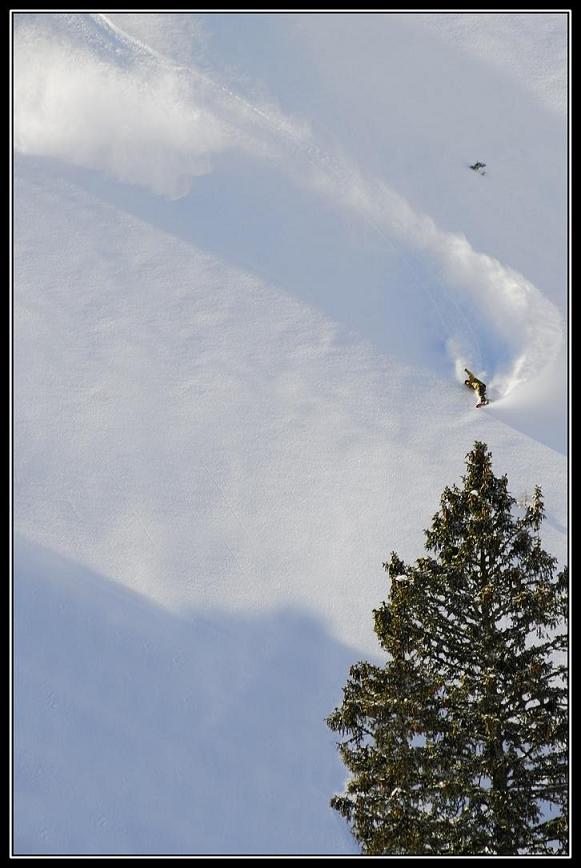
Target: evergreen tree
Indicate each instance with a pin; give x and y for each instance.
(458, 744)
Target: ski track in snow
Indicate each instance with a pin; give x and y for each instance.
(516, 309)
(526, 328)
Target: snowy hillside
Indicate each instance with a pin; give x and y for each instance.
(250, 265)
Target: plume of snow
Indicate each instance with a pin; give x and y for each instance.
(133, 114)
(512, 308)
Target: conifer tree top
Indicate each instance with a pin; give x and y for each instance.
(458, 744)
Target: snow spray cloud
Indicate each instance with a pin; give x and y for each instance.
(138, 128)
(140, 116)
(129, 111)
(510, 307)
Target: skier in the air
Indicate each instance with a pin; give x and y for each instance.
(479, 167)
(479, 387)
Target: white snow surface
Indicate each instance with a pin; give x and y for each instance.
(250, 266)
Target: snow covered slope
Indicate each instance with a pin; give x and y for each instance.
(239, 333)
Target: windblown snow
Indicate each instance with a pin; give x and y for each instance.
(250, 266)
